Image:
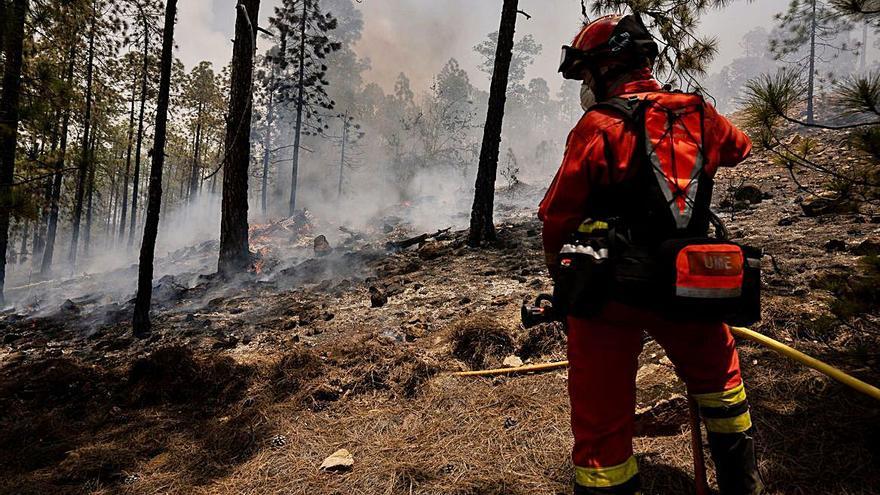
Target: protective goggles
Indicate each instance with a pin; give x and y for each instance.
(630, 40)
(573, 63)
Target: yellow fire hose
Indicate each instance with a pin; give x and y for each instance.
(744, 333)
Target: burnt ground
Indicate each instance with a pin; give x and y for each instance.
(247, 385)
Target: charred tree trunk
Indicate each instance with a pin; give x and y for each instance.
(90, 192)
(141, 319)
(40, 231)
(342, 157)
(195, 178)
(267, 136)
(234, 252)
(125, 177)
(140, 135)
(299, 107)
(82, 171)
(13, 43)
(57, 178)
(482, 223)
(22, 250)
(812, 65)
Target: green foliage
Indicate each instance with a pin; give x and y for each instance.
(868, 141)
(768, 99)
(684, 55)
(525, 50)
(860, 94)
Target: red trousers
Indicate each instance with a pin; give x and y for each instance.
(603, 354)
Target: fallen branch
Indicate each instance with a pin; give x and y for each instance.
(395, 246)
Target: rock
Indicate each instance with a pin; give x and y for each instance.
(784, 222)
(339, 461)
(749, 193)
(512, 362)
(464, 300)
(433, 250)
(826, 204)
(377, 297)
(322, 246)
(11, 337)
(69, 306)
(868, 247)
(835, 245)
(392, 336)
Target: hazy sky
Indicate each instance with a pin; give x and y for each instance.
(418, 36)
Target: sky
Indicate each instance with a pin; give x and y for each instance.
(418, 36)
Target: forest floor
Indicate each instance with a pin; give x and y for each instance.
(247, 386)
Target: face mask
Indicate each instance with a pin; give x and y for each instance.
(588, 98)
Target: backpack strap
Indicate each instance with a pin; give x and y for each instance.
(630, 108)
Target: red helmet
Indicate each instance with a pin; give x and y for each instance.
(610, 40)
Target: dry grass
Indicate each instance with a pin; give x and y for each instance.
(409, 429)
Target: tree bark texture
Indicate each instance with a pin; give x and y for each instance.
(299, 107)
(482, 224)
(13, 42)
(135, 182)
(141, 319)
(125, 178)
(234, 252)
(57, 178)
(83, 167)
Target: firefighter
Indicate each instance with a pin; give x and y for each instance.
(614, 56)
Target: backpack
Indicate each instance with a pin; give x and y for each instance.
(645, 241)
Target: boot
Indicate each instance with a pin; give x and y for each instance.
(736, 465)
(631, 487)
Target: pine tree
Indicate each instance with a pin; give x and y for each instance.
(308, 30)
(13, 24)
(811, 30)
(141, 319)
(234, 252)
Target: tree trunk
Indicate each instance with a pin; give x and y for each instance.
(299, 108)
(141, 319)
(22, 251)
(195, 178)
(125, 177)
(40, 231)
(13, 42)
(482, 224)
(342, 158)
(82, 171)
(234, 253)
(267, 136)
(140, 136)
(57, 178)
(863, 57)
(812, 65)
(90, 192)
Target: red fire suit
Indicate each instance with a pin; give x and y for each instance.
(603, 350)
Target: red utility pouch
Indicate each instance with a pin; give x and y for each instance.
(709, 271)
(705, 278)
